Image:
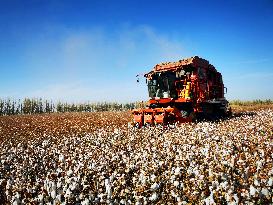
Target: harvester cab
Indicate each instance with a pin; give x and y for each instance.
(183, 91)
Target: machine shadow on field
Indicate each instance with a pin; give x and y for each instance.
(233, 115)
(240, 114)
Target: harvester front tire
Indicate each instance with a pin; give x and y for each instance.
(193, 117)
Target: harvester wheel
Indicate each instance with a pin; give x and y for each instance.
(137, 125)
(193, 116)
(184, 113)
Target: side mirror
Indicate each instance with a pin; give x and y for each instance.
(137, 76)
(225, 90)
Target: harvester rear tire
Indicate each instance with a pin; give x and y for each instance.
(193, 117)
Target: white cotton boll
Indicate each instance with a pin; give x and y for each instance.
(228, 197)
(69, 172)
(68, 193)
(108, 188)
(85, 202)
(73, 186)
(116, 131)
(205, 151)
(252, 190)
(154, 196)
(211, 199)
(40, 197)
(7, 194)
(59, 197)
(224, 185)
(101, 195)
(177, 171)
(155, 186)
(236, 199)
(262, 153)
(207, 201)
(225, 163)
(9, 183)
(196, 172)
(142, 178)
(201, 177)
(53, 185)
(270, 181)
(189, 171)
(81, 197)
(181, 185)
(16, 199)
(145, 202)
(68, 181)
(176, 183)
(153, 177)
(259, 165)
(215, 184)
(61, 158)
(59, 184)
(172, 178)
(173, 194)
(270, 172)
(134, 180)
(16, 202)
(65, 187)
(256, 182)
(53, 194)
(106, 182)
(45, 143)
(232, 161)
(47, 185)
(8, 186)
(17, 195)
(85, 186)
(91, 166)
(111, 178)
(59, 170)
(178, 199)
(265, 192)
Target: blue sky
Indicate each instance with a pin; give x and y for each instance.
(82, 51)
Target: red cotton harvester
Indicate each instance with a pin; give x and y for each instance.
(183, 91)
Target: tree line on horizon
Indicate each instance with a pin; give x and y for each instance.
(39, 106)
(251, 102)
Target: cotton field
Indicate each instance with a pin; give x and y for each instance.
(96, 158)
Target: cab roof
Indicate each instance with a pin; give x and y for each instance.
(194, 61)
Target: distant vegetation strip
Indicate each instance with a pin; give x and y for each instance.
(39, 106)
(251, 102)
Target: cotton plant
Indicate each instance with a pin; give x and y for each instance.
(80, 160)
